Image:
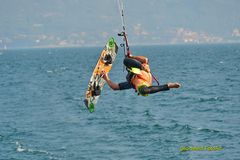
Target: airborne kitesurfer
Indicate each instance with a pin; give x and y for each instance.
(139, 77)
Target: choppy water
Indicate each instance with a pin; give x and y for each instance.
(42, 115)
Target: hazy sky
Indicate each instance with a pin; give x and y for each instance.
(40, 23)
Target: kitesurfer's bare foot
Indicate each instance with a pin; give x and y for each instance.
(174, 85)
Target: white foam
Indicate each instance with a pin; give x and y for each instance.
(19, 147)
(49, 71)
(63, 68)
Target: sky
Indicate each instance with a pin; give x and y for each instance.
(66, 23)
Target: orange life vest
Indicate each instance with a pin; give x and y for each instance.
(142, 78)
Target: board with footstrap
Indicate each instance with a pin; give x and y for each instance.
(96, 82)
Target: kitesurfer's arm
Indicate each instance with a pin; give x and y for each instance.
(111, 84)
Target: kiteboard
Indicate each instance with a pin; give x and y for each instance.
(96, 82)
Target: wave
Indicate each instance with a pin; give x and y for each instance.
(1, 137)
(213, 109)
(186, 128)
(214, 133)
(208, 130)
(21, 148)
(212, 99)
(57, 70)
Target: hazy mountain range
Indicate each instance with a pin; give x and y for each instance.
(56, 23)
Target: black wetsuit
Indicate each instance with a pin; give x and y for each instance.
(129, 63)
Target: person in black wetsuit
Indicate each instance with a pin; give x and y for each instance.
(139, 77)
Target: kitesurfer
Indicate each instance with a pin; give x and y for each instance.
(139, 77)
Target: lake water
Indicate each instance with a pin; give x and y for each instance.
(42, 114)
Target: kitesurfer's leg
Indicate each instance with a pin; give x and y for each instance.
(155, 89)
(129, 63)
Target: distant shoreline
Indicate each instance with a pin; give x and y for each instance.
(132, 45)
